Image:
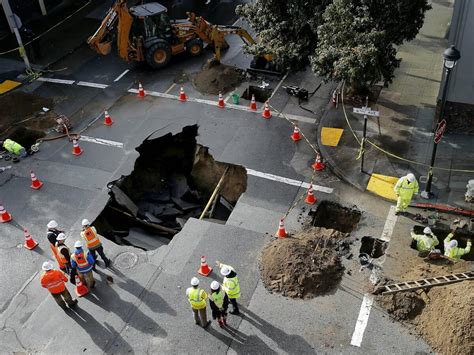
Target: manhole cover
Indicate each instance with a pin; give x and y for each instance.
(126, 260)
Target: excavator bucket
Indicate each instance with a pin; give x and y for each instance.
(103, 48)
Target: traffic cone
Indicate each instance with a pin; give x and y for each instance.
(76, 150)
(35, 182)
(108, 120)
(296, 134)
(266, 112)
(221, 102)
(253, 104)
(81, 289)
(182, 95)
(204, 269)
(310, 198)
(281, 232)
(4, 215)
(141, 92)
(30, 243)
(318, 164)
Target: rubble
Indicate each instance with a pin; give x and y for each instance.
(218, 78)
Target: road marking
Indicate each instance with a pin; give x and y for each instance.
(101, 141)
(121, 75)
(278, 86)
(92, 85)
(368, 300)
(170, 88)
(231, 106)
(57, 81)
(288, 181)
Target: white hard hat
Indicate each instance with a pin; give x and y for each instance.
(61, 236)
(47, 266)
(453, 243)
(225, 270)
(78, 244)
(194, 281)
(411, 177)
(214, 285)
(52, 224)
(427, 230)
(85, 222)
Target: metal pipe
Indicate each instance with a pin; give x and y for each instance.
(214, 194)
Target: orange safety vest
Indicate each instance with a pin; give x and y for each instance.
(61, 255)
(91, 238)
(53, 280)
(81, 260)
(57, 256)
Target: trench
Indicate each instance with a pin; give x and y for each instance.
(261, 94)
(373, 247)
(332, 215)
(461, 235)
(172, 181)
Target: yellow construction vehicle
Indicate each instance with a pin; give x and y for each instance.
(145, 33)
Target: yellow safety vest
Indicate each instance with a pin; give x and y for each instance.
(197, 298)
(91, 238)
(218, 298)
(12, 146)
(232, 287)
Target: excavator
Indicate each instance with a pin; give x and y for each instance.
(146, 34)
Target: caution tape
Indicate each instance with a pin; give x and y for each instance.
(20, 49)
(361, 149)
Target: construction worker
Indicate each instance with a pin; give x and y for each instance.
(52, 236)
(230, 285)
(405, 188)
(83, 262)
(64, 254)
(54, 281)
(451, 249)
(93, 243)
(197, 299)
(219, 302)
(426, 242)
(13, 147)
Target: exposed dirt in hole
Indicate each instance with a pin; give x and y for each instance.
(306, 264)
(334, 216)
(172, 181)
(261, 95)
(441, 315)
(373, 247)
(26, 137)
(214, 78)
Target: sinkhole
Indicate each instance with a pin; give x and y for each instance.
(373, 247)
(173, 180)
(332, 215)
(261, 94)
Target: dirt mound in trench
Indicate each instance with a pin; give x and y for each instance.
(306, 264)
(218, 78)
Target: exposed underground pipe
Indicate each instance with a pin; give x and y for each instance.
(214, 194)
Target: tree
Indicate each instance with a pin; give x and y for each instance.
(358, 37)
(286, 29)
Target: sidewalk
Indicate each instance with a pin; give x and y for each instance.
(407, 111)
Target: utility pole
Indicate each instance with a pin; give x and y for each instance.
(14, 27)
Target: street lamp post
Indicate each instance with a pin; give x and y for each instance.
(451, 56)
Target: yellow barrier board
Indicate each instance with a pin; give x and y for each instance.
(331, 136)
(8, 85)
(383, 185)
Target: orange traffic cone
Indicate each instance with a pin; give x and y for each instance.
(30, 243)
(35, 182)
(182, 95)
(296, 134)
(253, 104)
(204, 269)
(4, 215)
(141, 92)
(318, 164)
(310, 198)
(108, 120)
(221, 102)
(76, 150)
(266, 112)
(281, 232)
(81, 289)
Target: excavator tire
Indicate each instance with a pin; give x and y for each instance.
(194, 47)
(158, 55)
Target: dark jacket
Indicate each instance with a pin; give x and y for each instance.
(216, 312)
(52, 235)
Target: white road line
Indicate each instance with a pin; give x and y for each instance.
(102, 141)
(278, 86)
(214, 103)
(57, 81)
(170, 88)
(121, 75)
(288, 181)
(368, 300)
(92, 85)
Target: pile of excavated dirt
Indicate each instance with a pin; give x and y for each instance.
(216, 78)
(441, 315)
(306, 264)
